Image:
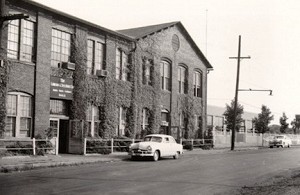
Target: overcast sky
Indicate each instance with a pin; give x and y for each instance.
(270, 31)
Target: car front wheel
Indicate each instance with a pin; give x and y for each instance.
(156, 156)
(176, 156)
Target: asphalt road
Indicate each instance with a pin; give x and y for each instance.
(193, 173)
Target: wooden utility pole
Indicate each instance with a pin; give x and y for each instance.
(236, 91)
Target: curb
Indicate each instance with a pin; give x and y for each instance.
(33, 165)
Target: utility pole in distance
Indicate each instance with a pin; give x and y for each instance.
(236, 91)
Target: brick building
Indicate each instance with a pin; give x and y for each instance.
(67, 76)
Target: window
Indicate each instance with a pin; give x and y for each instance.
(197, 84)
(59, 107)
(121, 118)
(145, 118)
(20, 43)
(165, 72)
(60, 48)
(95, 57)
(19, 115)
(182, 87)
(122, 62)
(147, 71)
(93, 120)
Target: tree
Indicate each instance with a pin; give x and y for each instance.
(263, 120)
(229, 115)
(284, 125)
(296, 125)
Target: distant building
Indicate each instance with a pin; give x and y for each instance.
(216, 119)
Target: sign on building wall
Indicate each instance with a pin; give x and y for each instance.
(61, 88)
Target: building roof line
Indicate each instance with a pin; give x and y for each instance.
(55, 11)
(143, 32)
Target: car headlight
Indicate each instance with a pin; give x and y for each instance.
(149, 148)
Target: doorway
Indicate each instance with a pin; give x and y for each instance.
(61, 131)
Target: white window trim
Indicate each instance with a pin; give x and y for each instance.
(18, 113)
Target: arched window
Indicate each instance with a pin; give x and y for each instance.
(197, 82)
(165, 72)
(122, 63)
(182, 79)
(19, 115)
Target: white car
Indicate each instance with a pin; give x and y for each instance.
(280, 140)
(156, 146)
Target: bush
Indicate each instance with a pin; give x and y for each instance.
(187, 145)
(97, 146)
(25, 149)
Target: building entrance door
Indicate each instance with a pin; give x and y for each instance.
(63, 136)
(60, 130)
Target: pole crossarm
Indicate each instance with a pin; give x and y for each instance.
(248, 57)
(271, 91)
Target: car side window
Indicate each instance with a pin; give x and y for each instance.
(166, 139)
(172, 140)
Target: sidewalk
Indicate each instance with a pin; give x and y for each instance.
(22, 163)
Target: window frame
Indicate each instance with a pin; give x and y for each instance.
(122, 120)
(21, 112)
(93, 119)
(24, 40)
(147, 71)
(198, 86)
(182, 82)
(165, 73)
(122, 65)
(59, 42)
(95, 56)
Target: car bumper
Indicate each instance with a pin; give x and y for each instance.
(140, 153)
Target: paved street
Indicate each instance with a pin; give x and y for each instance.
(194, 173)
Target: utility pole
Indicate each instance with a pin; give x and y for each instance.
(236, 91)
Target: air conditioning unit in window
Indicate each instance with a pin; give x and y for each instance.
(102, 73)
(68, 65)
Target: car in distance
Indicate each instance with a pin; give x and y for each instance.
(156, 146)
(280, 140)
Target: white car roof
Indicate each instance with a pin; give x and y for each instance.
(158, 135)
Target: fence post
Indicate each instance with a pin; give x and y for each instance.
(133, 140)
(112, 145)
(192, 142)
(33, 146)
(56, 145)
(84, 146)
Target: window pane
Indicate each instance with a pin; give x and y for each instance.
(11, 105)
(28, 41)
(10, 128)
(25, 126)
(25, 103)
(13, 39)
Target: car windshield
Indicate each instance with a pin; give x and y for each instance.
(152, 139)
(278, 137)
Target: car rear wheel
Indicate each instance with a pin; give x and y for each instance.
(176, 156)
(156, 156)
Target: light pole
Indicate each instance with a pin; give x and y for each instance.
(236, 91)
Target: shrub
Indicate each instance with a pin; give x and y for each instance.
(22, 148)
(97, 146)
